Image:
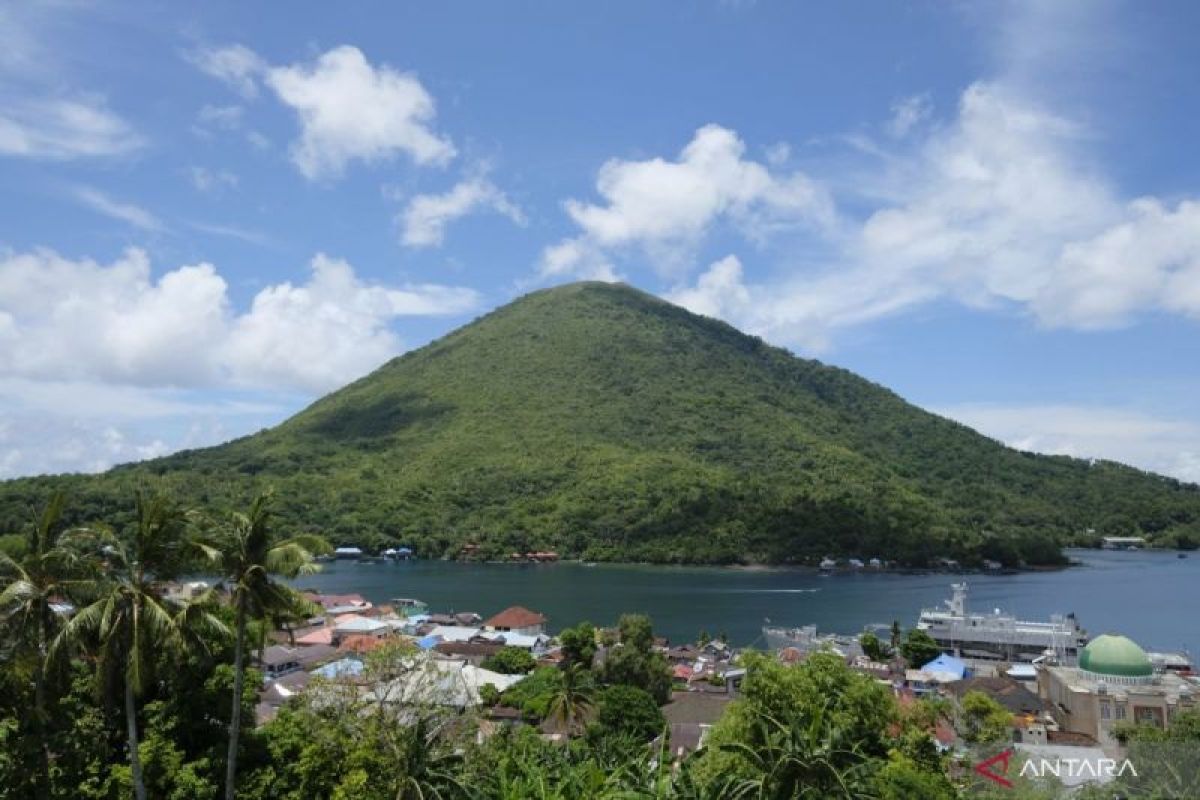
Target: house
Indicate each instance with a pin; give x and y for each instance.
(454, 633)
(354, 624)
(517, 620)
(278, 660)
(348, 667)
(946, 668)
(338, 603)
(277, 693)
(535, 644)
(360, 644)
(690, 716)
(1011, 694)
(315, 636)
(473, 652)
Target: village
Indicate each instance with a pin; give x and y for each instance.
(461, 661)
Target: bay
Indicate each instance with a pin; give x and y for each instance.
(1151, 596)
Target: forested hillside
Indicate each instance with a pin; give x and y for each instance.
(605, 423)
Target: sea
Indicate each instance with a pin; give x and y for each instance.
(1151, 596)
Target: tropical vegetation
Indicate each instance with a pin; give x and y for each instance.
(600, 422)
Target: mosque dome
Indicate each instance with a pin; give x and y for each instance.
(1115, 655)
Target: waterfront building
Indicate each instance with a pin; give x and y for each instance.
(517, 619)
(1114, 683)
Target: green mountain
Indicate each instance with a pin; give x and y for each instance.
(602, 422)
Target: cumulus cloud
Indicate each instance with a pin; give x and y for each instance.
(1160, 444)
(664, 208)
(64, 128)
(350, 110)
(423, 221)
(101, 203)
(320, 334)
(995, 209)
(236, 65)
(62, 319)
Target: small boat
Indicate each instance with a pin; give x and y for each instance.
(409, 605)
(1181, 555)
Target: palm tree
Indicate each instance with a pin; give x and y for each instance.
(810, 756)
(248, 553)
(572, 699)
(133, 620)
(50, 572)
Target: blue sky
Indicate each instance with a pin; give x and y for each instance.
(212, 216)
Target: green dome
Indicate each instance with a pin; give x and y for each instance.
(1115, 655)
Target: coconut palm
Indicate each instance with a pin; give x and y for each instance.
(132, 620)
(572, 699)
(33, 602)
(247, 553)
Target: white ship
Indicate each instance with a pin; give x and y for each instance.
(807, 640)
(999, 635)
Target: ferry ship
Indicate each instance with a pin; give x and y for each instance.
(999, 635)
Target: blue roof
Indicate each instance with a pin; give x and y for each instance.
(403, 549)
(947, 663)
(429, 642)
(351, 667)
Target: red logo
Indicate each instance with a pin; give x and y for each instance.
(984, 768)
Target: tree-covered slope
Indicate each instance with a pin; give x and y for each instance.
(600, 421)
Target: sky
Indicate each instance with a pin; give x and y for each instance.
(212, 215)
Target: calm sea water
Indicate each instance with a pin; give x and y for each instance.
(1153, 597)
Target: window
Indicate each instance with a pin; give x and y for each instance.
(1120, 711)
(1105, 710)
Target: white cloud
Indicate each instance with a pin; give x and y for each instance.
(63, 129)
(719, 291)
(997, 209)
(236, 65)
(664, 209)
(207, 180)
(319, 335)
(86, 426)
(233, 232)
(1163, 445)
(908, 113)
(115, 324)
(424, 219)
(218, 118)
(125, 212)
(350, 110)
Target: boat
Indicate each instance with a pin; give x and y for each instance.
(999, 635)
(409, 605)
(807, 640)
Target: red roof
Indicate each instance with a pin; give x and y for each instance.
(515, 617)
(360, 643)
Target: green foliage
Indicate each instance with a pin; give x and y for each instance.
(535, 694)
(601, 422)
(918, 648)
(984, 721)
(873, 648)
(510, 661)
(627, 710)
(579, 645)
(633, 662)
